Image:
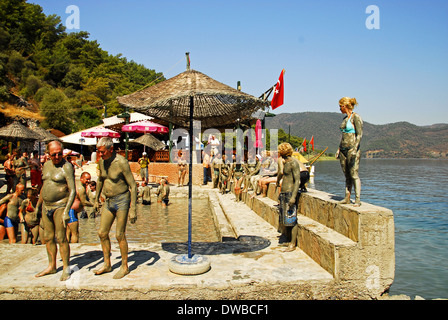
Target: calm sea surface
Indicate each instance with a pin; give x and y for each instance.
(416, 192)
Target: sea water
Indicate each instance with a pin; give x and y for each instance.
(415, 190)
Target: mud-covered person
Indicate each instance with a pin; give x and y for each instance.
(289, 176)
(56, 197)
(30, 217)
(117, 184)
(11, 219)
(81, 203)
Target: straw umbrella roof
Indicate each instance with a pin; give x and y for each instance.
(149, 141)
(17, 131)
(44, 135)
(215, 104)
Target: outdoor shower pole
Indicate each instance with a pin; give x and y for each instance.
(190, 175)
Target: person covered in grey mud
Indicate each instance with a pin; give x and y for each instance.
(146, 194)
(216, 163)
(117, 184)
(238, 174)
(224, 174)
(251, 168)
(56, 198)
(349, 151)
(11, 219)
(289, 176)
(30, 217)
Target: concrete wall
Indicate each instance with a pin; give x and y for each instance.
(354, 244)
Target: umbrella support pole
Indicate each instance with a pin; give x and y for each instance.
(189, 264)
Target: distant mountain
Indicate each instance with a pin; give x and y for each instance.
(394, 140)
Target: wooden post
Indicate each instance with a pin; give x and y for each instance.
(187, 54)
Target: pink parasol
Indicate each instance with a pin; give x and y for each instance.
(99, 132)
(258, 143)
(144, 126)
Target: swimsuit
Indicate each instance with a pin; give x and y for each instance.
(287, 215)
(349, 128)
(73, 216)
(34, 219)
(239, 171)
(9, 223)
(120, 202)
(50, 212)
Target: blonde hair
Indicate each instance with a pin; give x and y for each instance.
(285, 149)
(348, 102)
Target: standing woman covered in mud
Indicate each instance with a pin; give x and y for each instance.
(349, 149)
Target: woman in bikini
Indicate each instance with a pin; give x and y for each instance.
(349, 152)
(30, 217)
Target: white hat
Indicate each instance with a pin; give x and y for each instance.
(144, 153)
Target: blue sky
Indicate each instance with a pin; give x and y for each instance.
(398, 72)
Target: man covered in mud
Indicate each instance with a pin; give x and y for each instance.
(117, 183)
(81, 203)
(289, 175)
(56, 197)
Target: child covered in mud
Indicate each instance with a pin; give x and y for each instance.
(163, 192)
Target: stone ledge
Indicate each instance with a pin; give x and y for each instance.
(351, 243)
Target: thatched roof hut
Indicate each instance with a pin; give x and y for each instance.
(44, 135)
(17, 132)
(215, 104)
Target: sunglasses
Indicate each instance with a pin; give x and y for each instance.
(56, 154)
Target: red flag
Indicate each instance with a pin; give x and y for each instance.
(277, 99)
(312, 142)
(304, 145)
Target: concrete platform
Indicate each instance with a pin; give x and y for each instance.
(248, 264)
(252, 262)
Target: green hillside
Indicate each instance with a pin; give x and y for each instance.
(65, 79)
(395, 140)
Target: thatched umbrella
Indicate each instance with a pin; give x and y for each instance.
(215, 104)
(150, 141)
(44, 135)
(190, 96)
(16, 131)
